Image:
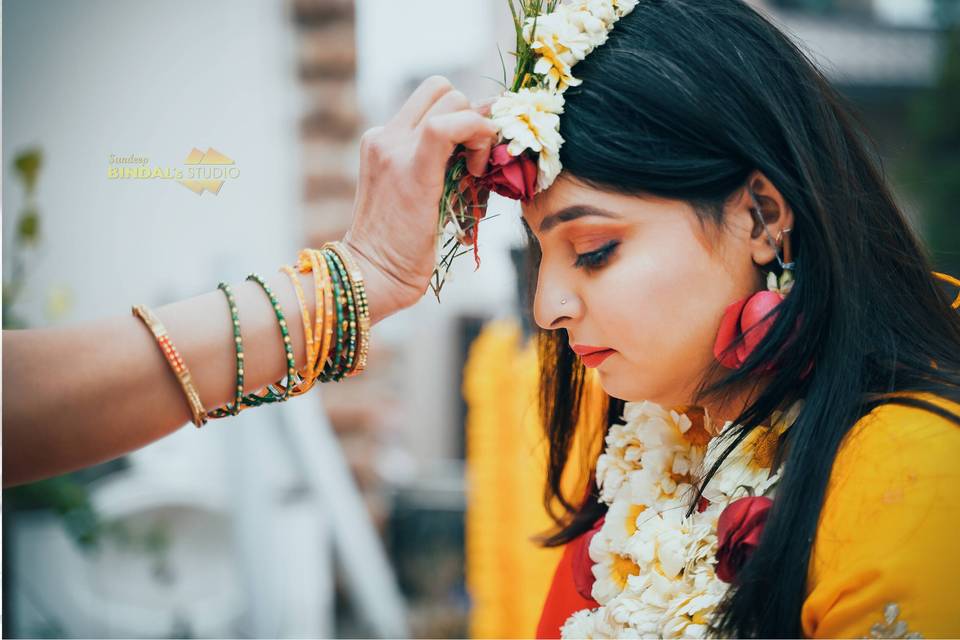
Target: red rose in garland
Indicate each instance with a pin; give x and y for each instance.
(738, 533)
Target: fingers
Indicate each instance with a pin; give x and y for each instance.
(441, 133)
(478, 149)
(477, 157)
(450, 102)
(444, 117)
(420, 101)
(484, 106)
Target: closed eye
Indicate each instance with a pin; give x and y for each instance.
(596, 259)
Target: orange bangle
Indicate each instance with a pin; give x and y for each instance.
(309, 260)
(307, 375)
(175, 361)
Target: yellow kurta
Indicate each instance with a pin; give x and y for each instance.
(889, 531)
(887, 548)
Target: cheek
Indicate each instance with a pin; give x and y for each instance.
(661, 309)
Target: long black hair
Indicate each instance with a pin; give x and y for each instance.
(685, 100)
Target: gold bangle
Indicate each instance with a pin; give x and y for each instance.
(307, 375)
(175, 361)
(311, 261)
(360, 298)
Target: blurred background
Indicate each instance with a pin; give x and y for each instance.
(390, 504)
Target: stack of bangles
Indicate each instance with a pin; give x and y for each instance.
(337, 334)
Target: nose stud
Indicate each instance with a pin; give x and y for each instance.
(563, 301)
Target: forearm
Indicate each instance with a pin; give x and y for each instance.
(81, 395)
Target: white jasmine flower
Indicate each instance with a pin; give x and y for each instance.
(529, 118)
(601, 10)
(654, 565)
(623, 7)
(612, 470)
(593, 18)
(549, 167)
(626, 512)
(559, 44)
(579, 625)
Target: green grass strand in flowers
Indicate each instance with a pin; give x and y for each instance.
(456, 206)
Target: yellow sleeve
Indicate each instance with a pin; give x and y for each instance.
(886, 558)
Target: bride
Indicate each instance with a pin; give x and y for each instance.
(711, 232)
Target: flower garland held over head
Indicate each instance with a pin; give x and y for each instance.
(552, 37)
(657, 572)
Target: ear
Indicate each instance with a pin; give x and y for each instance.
(775, 211)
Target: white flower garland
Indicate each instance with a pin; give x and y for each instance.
(654, 567)
(529, 117)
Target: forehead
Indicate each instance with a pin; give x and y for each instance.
(571, 212)
(564, 192)
(568, 199)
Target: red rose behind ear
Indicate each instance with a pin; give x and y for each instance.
(745, 317)
(738, 533)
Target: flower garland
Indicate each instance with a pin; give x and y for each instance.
(656, 571)
(529, 116)
(551, 38)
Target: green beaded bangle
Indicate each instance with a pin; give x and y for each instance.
(272, 395)
(345, 354)
(351, 311)
(362, 308)
(333, 364)
(234, 409)
(348, 319)
(329, 365)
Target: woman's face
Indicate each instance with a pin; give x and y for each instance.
(657, 297)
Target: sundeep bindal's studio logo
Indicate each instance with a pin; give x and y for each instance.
(202, 170)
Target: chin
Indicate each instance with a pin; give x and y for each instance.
(623, 386)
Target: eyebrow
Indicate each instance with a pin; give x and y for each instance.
(572, 213)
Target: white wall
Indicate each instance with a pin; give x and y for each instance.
(84, 80)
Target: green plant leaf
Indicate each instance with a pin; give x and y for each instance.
(28, 164)
(28, 229)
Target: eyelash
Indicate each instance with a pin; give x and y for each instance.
(596, 259)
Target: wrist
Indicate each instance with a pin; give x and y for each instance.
(385, 295)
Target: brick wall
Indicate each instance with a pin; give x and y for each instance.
(331, 125)
(362, 409)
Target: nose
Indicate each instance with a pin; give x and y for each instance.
(554, 305)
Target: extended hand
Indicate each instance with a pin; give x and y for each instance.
(402, 168)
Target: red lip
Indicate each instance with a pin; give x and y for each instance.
(592, 356)
(584, 349)
(594, 359)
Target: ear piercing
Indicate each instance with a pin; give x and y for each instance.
(785, 262)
